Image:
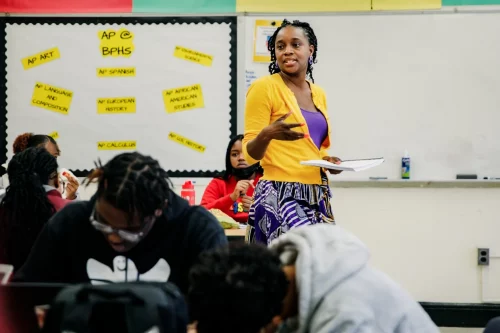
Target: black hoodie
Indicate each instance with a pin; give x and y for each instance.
(70, 250)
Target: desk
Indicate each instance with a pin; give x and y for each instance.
(235, 234)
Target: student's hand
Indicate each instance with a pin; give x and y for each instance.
(71, 187)
(334, 160)
(241, 188)
(279, 130)
(247, 202)
(191, 328)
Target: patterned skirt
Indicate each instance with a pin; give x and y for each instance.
(281, 206)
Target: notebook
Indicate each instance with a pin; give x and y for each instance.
(347, 165)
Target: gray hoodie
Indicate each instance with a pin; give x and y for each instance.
(339, 292)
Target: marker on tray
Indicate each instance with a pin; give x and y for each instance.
(378, 178)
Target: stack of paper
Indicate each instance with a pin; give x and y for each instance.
(226, 221)
(350, 165)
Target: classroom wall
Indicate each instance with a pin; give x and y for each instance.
(224, 6)
(424, 238)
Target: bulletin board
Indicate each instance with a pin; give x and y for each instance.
(165, 87)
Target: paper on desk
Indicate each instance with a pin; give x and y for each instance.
(351, 165)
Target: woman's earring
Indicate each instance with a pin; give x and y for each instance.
(310, 60)
(277, 64)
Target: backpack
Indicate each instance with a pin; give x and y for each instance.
(138, 307)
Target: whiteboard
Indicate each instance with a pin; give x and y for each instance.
(428, 83)
(135, 114)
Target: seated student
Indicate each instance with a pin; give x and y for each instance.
(29, 202)
(29, 140)
(135, 228)
(232, 193)
(493, 326)
(313, 279)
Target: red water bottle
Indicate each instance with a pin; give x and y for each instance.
(188, 192)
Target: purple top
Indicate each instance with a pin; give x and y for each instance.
(318, 128)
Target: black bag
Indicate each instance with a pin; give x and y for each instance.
(138, 307)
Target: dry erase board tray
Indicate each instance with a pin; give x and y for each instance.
(492, 184)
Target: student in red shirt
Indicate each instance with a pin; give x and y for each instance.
(29, 202)
(30, 140)
(232, 193)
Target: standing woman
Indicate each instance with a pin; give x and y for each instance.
(286, 122)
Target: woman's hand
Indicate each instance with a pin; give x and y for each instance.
(71, 187)
(241, 188)
(334, 160)
(246, 202)
(279, 130)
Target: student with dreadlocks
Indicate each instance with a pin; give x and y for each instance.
(232, 193)
(29, 140)
(134, 228)
(31, 199)
(286, 122)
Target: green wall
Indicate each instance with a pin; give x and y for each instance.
(470, 2)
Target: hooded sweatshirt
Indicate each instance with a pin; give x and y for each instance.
(70, 250)
(339, 292)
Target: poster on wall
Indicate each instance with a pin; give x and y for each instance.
(163, 89)
(264, 29)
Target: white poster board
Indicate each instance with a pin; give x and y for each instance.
(161, 89)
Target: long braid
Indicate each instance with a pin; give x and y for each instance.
(311, 37)
(133, 183)
(25, 208)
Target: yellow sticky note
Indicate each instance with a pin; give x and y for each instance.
(116, 43)
(51, 98)
(186, 142)
(41, 58)
(116, 72)
(54, 135)
(116, 145)
(406, 4)
(183, 98)
(193, 56)
(116, 105)
(277, 6)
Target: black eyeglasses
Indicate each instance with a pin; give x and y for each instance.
(132, 237)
